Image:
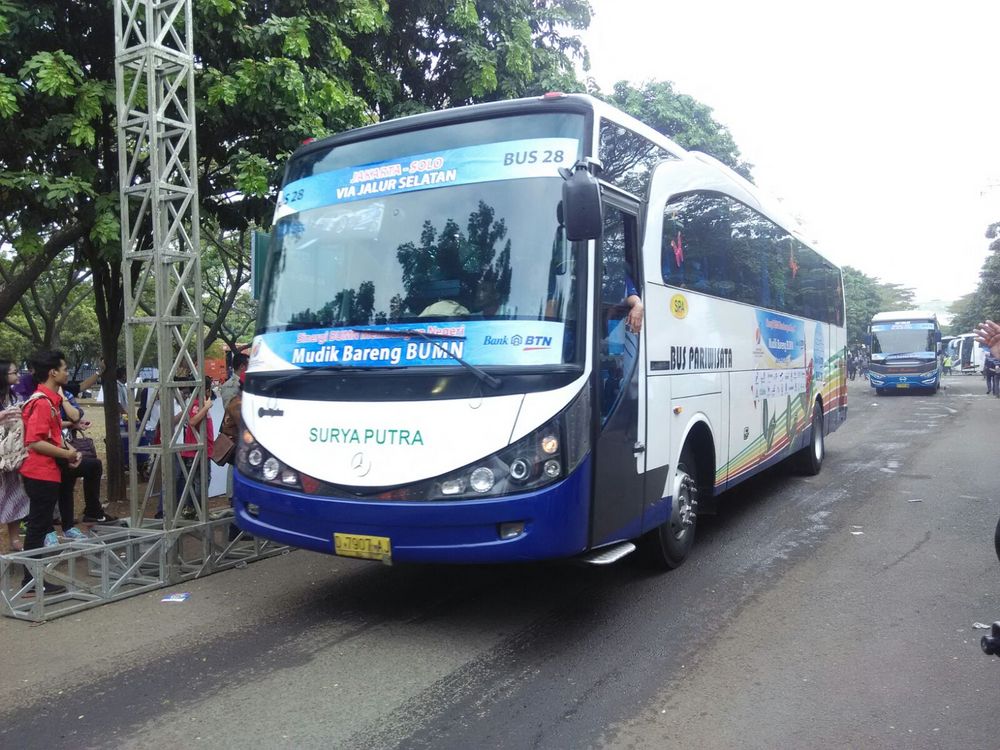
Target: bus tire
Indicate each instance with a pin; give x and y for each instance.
(667, 546)
(996, 540)
(810, 458)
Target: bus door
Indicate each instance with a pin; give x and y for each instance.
(618, 456)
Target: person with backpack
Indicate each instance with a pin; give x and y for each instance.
(40, 471)
(13, 500)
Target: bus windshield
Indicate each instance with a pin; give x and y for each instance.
(484, 263)
(905, 337)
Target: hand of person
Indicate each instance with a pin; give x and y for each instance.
(83, 424)
(74, 458)
(988, 333)
(634, 318)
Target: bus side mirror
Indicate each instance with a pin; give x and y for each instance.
(582, 211)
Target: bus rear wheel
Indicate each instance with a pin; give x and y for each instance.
(810, 458)
(667, 546)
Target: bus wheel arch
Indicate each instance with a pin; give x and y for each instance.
(668, 545)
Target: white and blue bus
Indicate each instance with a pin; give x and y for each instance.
(442, 371)
(905, 351)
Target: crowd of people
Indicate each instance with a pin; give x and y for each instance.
(857, 362)
(39, 476)
(44, 449)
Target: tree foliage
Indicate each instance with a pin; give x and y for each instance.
(227, 306)
(268, 75)
(51, 302)
(984, 302)
(863, 300)
(680, 117)
(865, 295)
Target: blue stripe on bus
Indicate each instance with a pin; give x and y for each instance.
(556, 522)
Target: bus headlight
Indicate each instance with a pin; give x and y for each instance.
(482, 479)
(519, 469)
(271, 469)
(542, 457)
(256, 462)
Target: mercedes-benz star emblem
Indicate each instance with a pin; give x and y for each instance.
(360, 464)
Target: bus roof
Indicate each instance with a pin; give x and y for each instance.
(582, 103)
(700, 168)
(883, 317)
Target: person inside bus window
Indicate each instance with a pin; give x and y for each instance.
(636, 311)
(443, 308)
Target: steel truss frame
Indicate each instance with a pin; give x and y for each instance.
(161, 266)
(115, 563)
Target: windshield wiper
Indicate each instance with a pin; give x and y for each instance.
(436, 338)
(268, 385)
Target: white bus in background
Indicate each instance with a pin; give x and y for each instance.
(967, 354)
(442, 371)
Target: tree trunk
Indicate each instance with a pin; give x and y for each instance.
(110, 308)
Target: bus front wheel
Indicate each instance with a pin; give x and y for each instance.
(996, 540)
(668, 545)
(810, 458)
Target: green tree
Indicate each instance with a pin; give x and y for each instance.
(895, 297)
(681, 118)
(433, 54)
(967, 312)
(862, 295)
(984, 302)
(227, 306)
(269, 75)
(51, 301)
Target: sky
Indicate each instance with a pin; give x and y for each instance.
(877, 124)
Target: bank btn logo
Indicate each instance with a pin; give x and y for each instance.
(527, 343)
(679, 306)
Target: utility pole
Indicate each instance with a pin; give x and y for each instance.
(157, 158)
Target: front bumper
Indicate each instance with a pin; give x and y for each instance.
(556, 522)
(915, 380)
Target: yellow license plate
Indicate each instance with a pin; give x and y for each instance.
(902, 385)
(365, 547)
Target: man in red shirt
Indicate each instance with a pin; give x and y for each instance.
(40, 472)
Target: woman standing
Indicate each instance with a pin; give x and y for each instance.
(13, 500)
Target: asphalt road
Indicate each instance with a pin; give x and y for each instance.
(834, 611)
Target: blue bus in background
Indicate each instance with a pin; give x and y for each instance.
(905, 351)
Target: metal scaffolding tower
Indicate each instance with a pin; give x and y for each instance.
(163, 340)
(157, 160)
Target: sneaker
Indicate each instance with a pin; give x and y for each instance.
(51, 540)
(50, 589)
(74, 534)
(102, 517)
